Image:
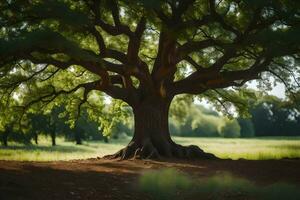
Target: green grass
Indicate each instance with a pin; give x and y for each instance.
(253, 149)
(62, 151)
(172, 184)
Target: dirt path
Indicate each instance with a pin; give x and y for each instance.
(104, 179)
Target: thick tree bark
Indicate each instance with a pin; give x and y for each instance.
(152, 138)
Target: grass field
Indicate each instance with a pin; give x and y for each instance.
(252, 149)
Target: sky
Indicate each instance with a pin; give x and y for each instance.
(278, 90)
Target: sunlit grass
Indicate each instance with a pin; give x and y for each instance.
(64, 150)
(252, 149)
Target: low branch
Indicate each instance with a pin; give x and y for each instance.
(194, 63)
(19, 82)
(54, 94)
(212, 79)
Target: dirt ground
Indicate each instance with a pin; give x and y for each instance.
(107, 179)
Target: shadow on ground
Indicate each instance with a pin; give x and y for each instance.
(172, 184)
(114, 180)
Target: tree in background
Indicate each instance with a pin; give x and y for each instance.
(13, 132)
(231, 130)
(5, 134)
(274, 117)
(190, 119)
(145, 53)
(47, 122)
(247, 127)
(56, 122)
(84, 127)
(9, 128)
(38, 124)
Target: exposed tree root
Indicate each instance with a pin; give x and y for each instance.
(147, 150)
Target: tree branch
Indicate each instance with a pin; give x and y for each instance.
(212, 79)
(192, 46)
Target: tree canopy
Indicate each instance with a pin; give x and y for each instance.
(144, 52)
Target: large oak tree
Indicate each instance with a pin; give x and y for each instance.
(145, 53)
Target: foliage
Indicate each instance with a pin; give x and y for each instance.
(61, 52)
(189, 119)
(186, 119)
(247, 127)
(54, 122)
(231, 129)
(277, 117)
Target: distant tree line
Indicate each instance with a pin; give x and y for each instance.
(275, 118)
(53, 125)
(202, 122)
(269, 117)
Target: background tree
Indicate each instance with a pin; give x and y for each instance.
(145, 54)
(246, 127)
(83, 127)
(189, 119)
(231, 130)
(38, 124)
(4, 135)
(9, 129)
(278, 117)
(55, 123)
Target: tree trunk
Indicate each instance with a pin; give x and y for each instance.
(53, 138)
(105, 139)
(36, 138)
(5, 138)
(152, 138)
(78, 138)
(78, 135)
